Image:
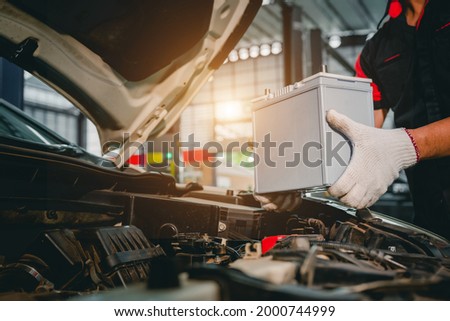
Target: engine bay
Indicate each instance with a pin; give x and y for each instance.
(111, 244)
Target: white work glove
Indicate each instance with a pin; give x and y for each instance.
(280, 201)
(378, 157)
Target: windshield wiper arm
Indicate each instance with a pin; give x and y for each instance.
(69, 150)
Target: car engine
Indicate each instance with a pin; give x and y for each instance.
(115, 241)
(74, 231)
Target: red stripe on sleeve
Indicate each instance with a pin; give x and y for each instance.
(392, 58)
(443, 27)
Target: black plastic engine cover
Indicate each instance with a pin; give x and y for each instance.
(89, 258)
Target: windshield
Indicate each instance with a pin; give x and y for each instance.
(15, 125)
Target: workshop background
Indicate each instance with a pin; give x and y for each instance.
(288, 41)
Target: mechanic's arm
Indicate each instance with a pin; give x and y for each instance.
(433, 140)
(380, 154)
(379, 115)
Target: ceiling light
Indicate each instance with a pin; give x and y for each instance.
(243, 54)
(335, 41)
(265, 50)
(276, 48)
(254, 51)
(233, 56)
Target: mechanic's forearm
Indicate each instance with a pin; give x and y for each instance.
(433, 140)
(379, 116)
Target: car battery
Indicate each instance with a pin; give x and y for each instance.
(295, 149)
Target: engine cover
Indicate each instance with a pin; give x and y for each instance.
(80, 260)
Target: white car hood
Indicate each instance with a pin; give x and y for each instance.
(125, 85)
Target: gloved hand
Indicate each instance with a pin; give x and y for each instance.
(378, 157)
(280, 201)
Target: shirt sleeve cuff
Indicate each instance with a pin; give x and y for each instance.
(377, 105)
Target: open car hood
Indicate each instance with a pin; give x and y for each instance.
(130, 66)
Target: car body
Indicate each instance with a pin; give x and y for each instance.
(78, 226)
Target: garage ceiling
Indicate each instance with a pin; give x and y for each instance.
(341, 17)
